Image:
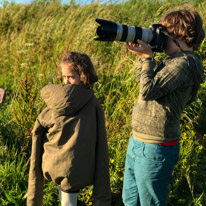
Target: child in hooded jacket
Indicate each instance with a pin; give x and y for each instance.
(165, 89)
(69, 143)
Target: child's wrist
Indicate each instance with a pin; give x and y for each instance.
(142, 59)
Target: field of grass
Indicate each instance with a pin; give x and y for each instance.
(32, 40)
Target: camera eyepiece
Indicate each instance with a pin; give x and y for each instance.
(111, 31)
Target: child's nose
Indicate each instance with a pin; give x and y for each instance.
(67, 81)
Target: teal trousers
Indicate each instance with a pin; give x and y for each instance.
(148, 170)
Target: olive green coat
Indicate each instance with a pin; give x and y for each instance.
(165, 89)
(69, 145)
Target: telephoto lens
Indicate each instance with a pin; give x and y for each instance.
(111, 31)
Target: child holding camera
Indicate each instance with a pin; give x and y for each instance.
(69, 144)
(165, 89)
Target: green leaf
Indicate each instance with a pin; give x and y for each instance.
(10, 198)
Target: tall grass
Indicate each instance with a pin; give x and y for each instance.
(32, 39)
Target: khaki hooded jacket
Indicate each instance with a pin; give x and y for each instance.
(165, 90)
(69, 145)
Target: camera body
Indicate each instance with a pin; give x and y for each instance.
(111, 31)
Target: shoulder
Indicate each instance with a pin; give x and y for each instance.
(176, 61)
(40, 123)
(45, 112)
(44, 117)
(182, 58)
(98, 106)
(178, 64)
(96, 101)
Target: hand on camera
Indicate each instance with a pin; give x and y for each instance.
(140, 49)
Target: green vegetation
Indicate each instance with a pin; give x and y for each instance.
(32, 39)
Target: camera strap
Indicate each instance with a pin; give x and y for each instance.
(174, 40)
(177, 43)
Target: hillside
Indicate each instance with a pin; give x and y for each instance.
(32, 39)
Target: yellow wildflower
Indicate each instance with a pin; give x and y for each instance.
(200, 147)
(184, 136)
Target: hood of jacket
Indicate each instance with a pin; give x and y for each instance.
(198, 62)
(66, 99)
(200, 68)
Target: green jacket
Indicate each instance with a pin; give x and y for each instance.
(69, 145)
(165, 89)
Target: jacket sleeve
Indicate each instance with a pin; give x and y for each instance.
(36, 180)
(138, 72)
(101, 188)
(173, 75)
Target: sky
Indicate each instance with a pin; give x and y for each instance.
(81, 2)
(29, 1)
(63, 1)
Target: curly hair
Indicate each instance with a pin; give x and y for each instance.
(82, 64)
(185, 25)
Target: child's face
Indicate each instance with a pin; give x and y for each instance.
(69, 75)
(171, 48)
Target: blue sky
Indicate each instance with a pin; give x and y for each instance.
(20, 1)
(81, 2)
(64, 1)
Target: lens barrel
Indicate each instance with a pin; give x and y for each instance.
(107, 30)
(111, 31)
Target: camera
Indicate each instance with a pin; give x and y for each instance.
(154, 37)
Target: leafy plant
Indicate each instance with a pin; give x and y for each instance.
(32, 39)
